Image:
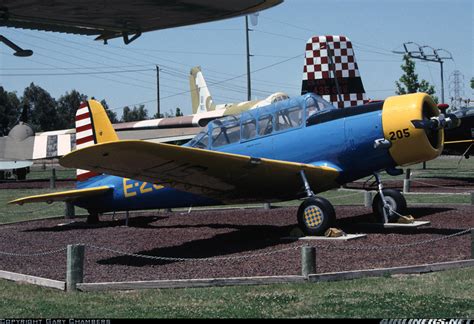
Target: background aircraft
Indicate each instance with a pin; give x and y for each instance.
(22, 146)
(118, 18)
(289, 149)
(202, 100)
(461, 139)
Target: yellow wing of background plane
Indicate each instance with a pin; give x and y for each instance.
(223, 176)
(63, 195)
(460, 141)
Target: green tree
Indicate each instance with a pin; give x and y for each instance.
(134, 114)
(472, 83)
(41, 108)
(171, 113)
(178, 112)
(9, 111)
(409, 81)
(67, 106)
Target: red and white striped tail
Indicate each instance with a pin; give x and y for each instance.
(84, 136)
(331, 71)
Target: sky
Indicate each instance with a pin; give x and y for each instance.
(125, 75)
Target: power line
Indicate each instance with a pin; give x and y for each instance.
(70, 73)
(80, 50)
(79, 65)
(420, 54)
(185, 74)
(72, 68)
(279, 35)
(222, 81)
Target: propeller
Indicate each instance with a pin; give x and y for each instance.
(447, 121)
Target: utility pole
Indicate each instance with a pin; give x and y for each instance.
(249, 86)
(157, 91)
(435, 57)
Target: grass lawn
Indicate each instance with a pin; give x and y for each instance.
(40, 173)
(443, 165)
(435, 295)
(447, 294)
(15, 213)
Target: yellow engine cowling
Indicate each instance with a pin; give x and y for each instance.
(409, 144)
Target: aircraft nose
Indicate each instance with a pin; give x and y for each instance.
(405, 122)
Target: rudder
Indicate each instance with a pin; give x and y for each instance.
(331, 71)
(93, 126)
(200, 96)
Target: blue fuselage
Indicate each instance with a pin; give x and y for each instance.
(339, 138)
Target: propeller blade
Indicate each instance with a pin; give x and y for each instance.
(424, 124)
(447, 121)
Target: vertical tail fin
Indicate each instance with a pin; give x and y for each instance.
(92, 127)
(200, 96)
(331, 71)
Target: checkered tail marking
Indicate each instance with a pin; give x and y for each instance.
(325, 57)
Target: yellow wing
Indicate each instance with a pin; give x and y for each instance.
(223, 176)
(63, 195)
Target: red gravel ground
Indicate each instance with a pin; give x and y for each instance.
(229, 233)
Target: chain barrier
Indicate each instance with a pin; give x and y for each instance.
(41, 253)
(238, 257)
(365, 185)
(396, 246)
(348, 195)
(241, 257)
(438, 186)
(370, 248)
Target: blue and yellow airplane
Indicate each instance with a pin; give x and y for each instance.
(290, 149)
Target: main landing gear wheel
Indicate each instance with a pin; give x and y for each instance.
(316, 215)
(395, 200)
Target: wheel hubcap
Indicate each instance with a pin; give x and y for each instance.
(393, 205)
(313, 216)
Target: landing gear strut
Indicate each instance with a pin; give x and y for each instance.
(388, 204)
(315, 214)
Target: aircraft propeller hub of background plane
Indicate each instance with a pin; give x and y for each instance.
(287, 149)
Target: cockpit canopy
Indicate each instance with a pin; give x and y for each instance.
(279, 116)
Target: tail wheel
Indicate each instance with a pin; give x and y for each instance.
(397, 202)
(316, 215)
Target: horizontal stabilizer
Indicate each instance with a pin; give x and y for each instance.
(222, 176)
(63, 195)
